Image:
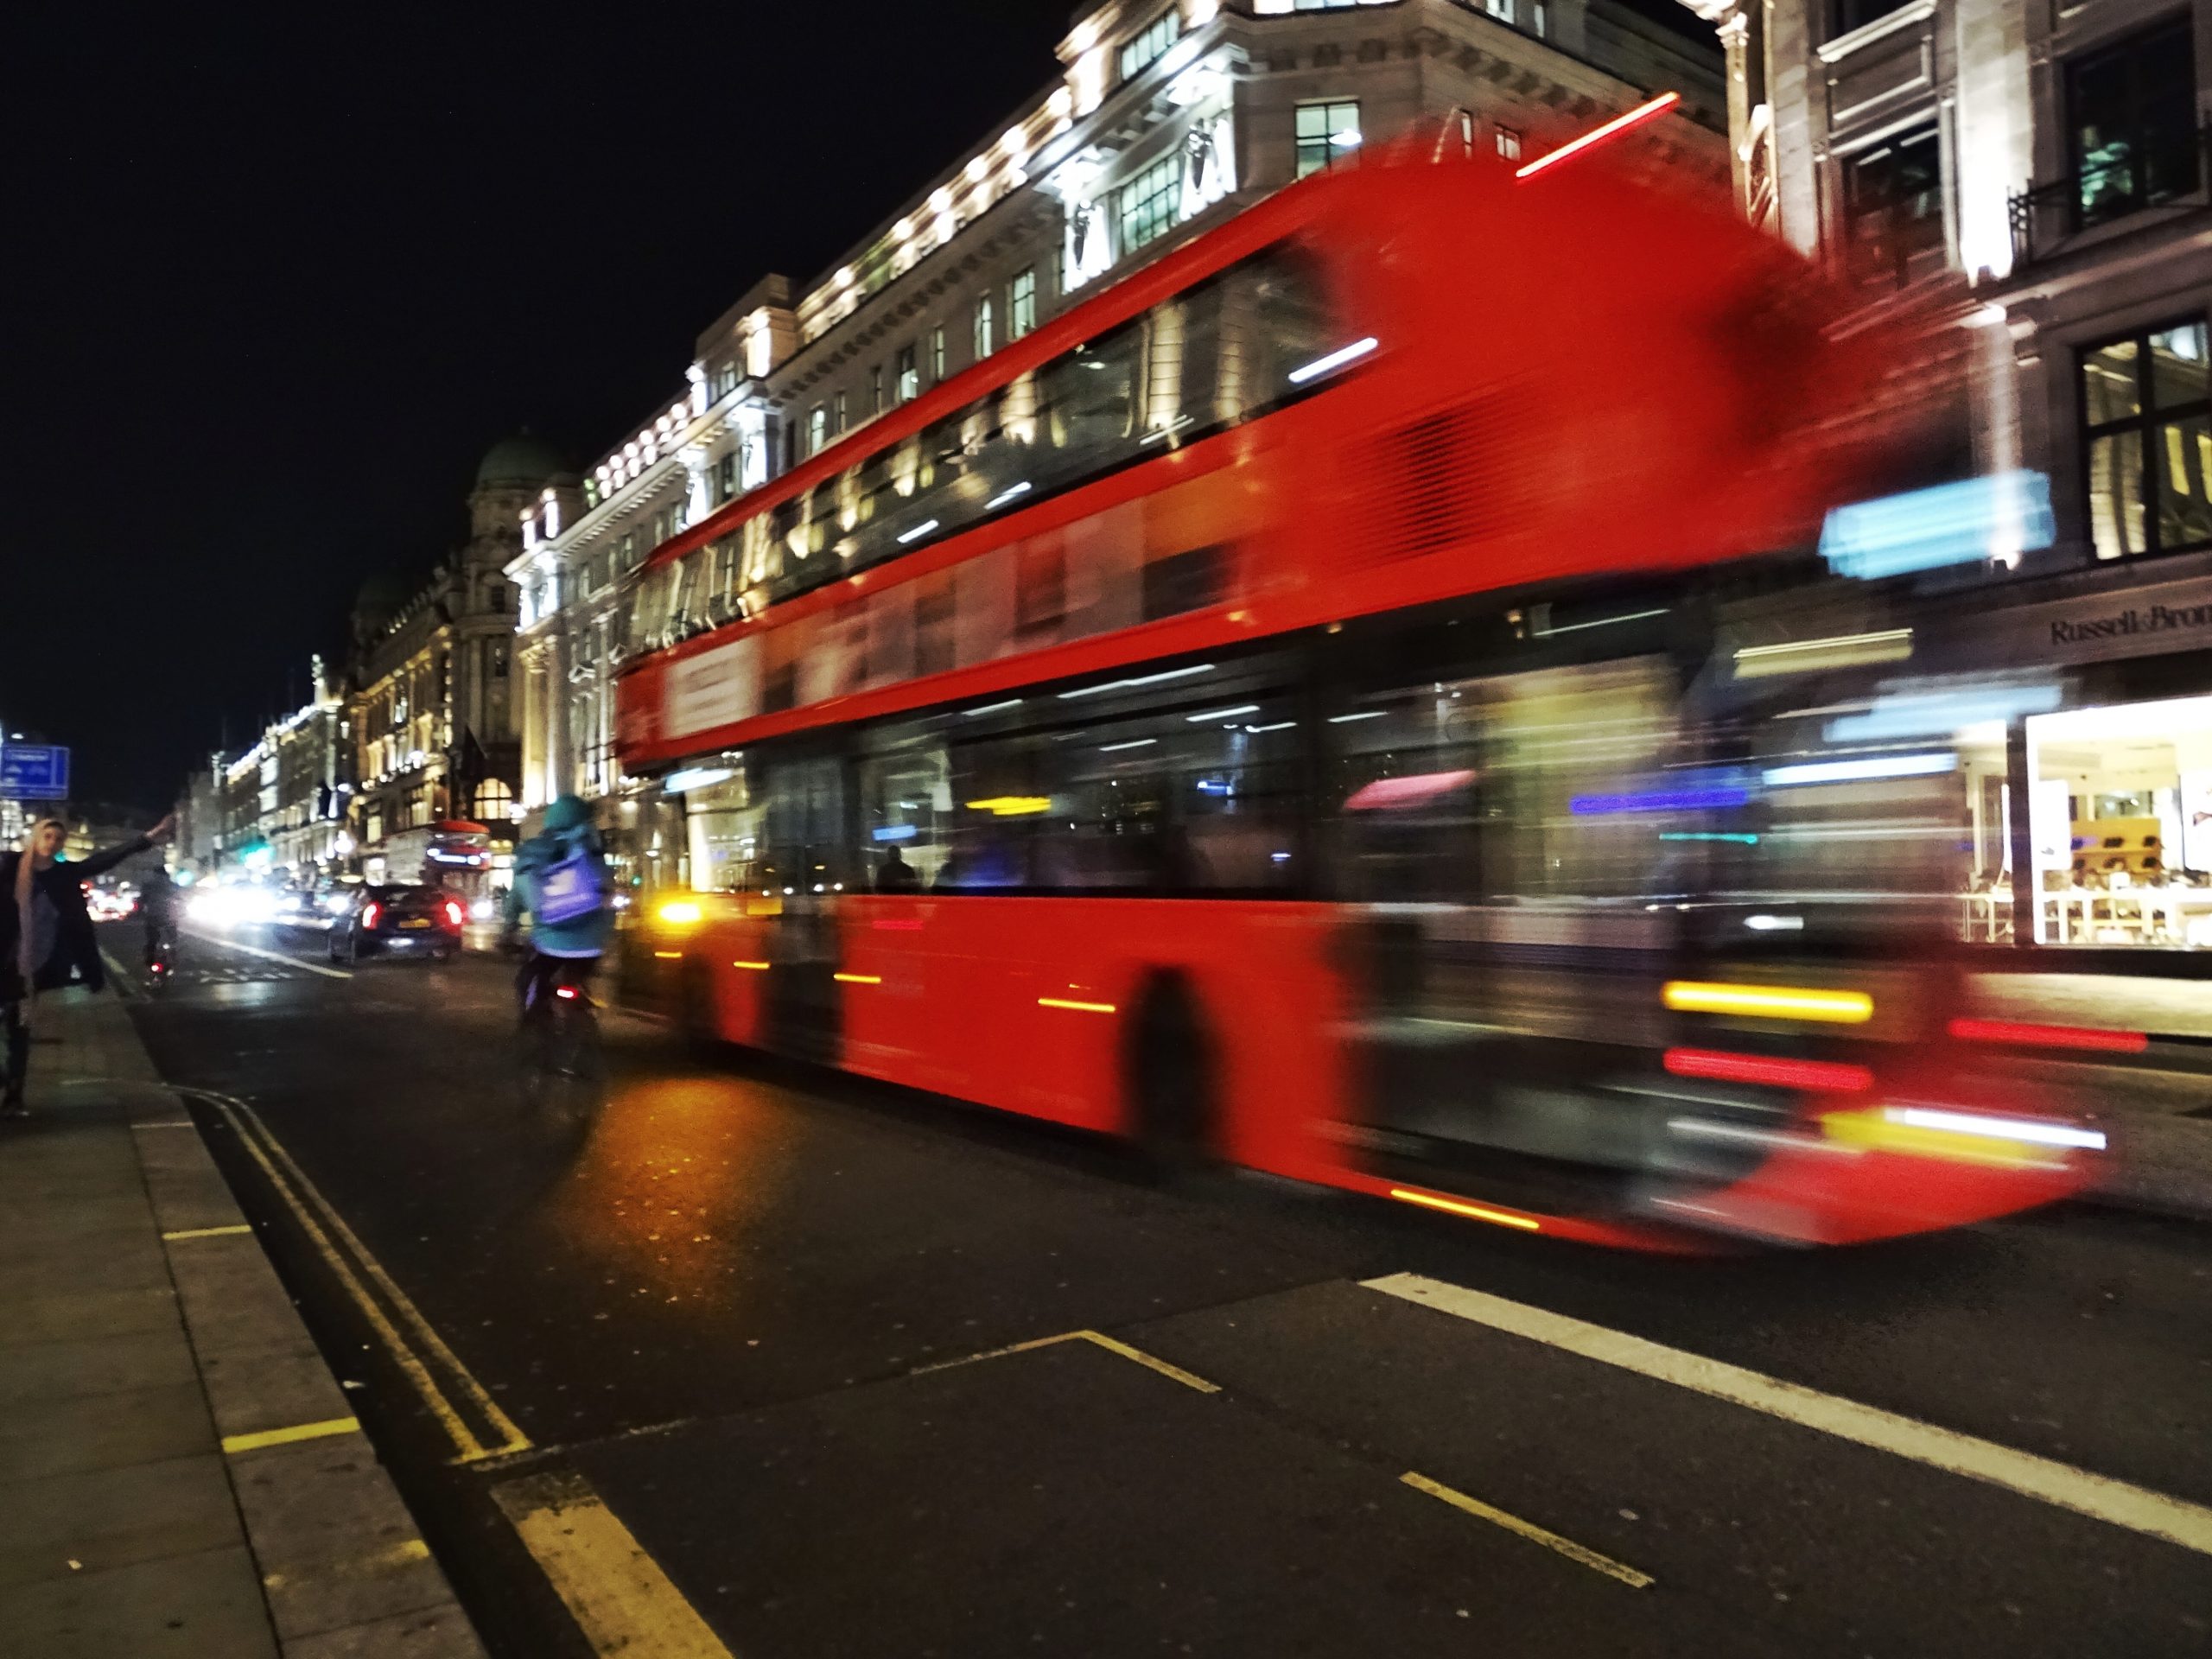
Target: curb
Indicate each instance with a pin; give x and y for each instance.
(344, 1568)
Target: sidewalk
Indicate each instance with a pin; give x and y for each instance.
(181, 1477)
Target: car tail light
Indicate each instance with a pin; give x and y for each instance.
(566, 993)
(453, 917)
(370, 913)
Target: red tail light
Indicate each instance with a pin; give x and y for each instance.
(2012, 1031)
(453, 912)
(1820, 1077)
(370, 912)
(566, 993)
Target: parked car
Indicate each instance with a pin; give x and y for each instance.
(411, 921)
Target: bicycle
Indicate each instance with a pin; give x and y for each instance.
(161, 959)
(563, 1066)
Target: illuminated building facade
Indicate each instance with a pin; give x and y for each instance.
(1166, 118)
(2042, 172)
(2047, 167)
(283, 799)
(430, 710)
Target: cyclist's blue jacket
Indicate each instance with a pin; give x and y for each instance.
(567, 826)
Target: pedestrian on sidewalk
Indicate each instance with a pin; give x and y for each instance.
(46, 934)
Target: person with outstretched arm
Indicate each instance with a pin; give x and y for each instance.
(46, 934)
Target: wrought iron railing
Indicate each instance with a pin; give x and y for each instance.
(2162, 169)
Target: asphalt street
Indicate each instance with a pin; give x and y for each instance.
(766, 1361)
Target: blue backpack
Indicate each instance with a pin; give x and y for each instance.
(572, 887)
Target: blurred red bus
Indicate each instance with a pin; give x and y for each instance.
(1181, 724)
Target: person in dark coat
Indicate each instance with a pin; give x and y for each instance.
(46, 934)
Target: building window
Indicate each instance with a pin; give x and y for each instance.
(1327, 131)
(1501, 10)
(1021, 304)
(875, 390)
(1150, 43)
(1857, 14)
(629, 550)
(1893, 211)
(983, 321)
(817, 429)
(2146, 412)
(2131, 119)
(1509, 144)
(909, 379)
(839, 413)
(1150, 202)
(936, 355)
(726, 477)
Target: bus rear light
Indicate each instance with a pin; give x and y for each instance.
(1815, 1076)
(1771, 1002)
(2082, 1037)
(680, 913)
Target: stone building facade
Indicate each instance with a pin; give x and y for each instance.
(431, 711)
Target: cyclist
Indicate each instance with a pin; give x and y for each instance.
(560, 884)
(158, 907)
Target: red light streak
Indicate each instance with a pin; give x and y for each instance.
(1641, 113)
(2012, 1031)
(1817, 1076)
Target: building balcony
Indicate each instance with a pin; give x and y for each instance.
(2162, 172)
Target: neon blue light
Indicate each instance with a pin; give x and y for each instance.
(1975, 518)
(897, 832)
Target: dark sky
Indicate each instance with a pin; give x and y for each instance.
(276, 282)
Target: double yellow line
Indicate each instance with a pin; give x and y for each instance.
(470, 1417)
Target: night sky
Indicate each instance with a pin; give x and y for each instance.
(277, 283)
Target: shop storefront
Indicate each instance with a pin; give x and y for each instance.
(2107, 737)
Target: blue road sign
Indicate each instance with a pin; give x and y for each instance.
(34, 772)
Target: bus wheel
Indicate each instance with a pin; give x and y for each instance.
(1172, 1075)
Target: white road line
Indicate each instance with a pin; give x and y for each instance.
(2113, 1502)
(616, 1592)
(273, 956)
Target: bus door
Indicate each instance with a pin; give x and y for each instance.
(1509, 946)
(803, 860)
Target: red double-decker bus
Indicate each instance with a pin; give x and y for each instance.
(1302, 706)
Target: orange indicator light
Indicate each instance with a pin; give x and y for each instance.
(1501, 1217)
(1074, 1007)
(1771, 1002)
(858, 979)
(751, 966)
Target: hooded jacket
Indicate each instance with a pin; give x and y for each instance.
(75, 950)
(567, 826)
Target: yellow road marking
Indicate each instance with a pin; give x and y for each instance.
(1530, 1530)
(466, 1443)
(237, 1443)
(2047, 1481)
(205, 1232)
(616, 1592)
(1097, 1338)
(167, 1123)
(1173, 1372)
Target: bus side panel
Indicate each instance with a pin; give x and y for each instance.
(1026, 1005)
(734, 952)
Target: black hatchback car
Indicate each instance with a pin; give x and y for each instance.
(413, 920)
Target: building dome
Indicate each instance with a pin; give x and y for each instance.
(524, 460)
